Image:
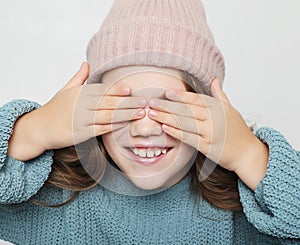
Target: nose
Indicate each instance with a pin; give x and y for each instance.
(145, 127)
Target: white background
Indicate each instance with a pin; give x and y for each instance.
(43, 43)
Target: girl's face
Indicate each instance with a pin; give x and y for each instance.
(142, 150)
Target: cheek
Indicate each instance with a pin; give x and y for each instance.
(112, 143)
(106, 139)
(111, 140)
(109, 144)
(186, 153)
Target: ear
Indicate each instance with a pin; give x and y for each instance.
(217, 91)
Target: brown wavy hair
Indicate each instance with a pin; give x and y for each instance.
(220, 188)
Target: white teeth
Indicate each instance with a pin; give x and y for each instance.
(157, 152)
(148, 153)
(142, 153)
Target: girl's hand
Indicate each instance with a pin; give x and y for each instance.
(75, 114)
(212, 126)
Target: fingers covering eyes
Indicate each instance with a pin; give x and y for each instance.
(176, 108)
(103, 117)
(183, 123)
(110, 102)
(190, 98)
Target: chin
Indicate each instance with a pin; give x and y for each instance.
(147, 182)
(153, 182)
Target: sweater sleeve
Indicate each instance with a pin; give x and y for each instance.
(19, 180)
(274, 207)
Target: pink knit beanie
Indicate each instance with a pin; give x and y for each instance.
(161, 33)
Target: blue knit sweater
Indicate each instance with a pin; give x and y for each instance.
(271, 214)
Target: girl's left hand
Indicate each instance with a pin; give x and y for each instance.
(209, 124)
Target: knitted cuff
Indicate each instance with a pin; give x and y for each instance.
(21, 180)
(274, 207)
(283, 173)
(9, 113)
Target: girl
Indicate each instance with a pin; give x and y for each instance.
(149, 150)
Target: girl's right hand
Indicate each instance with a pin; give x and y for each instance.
(75, 114)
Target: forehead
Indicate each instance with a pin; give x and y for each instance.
(145, 78)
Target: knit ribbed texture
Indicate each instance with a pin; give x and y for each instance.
(18, 180)
(173, 216)
(9, 113)
(269, 210)
(165, 33)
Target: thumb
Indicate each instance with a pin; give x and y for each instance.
(217, 91)
(80, 76)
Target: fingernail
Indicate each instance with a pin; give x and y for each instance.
(140, 113)
(153, 102)
(165, 127)
(126, 90)
(170, 95)
(153, 113)
(142, 102)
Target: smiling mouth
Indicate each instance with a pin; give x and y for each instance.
(148, 155)
(149, 152)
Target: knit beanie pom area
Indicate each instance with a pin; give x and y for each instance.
(168, 34)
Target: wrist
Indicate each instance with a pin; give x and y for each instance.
(26, 141)
(252, 164)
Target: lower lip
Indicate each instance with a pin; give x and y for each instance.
(147, 161)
